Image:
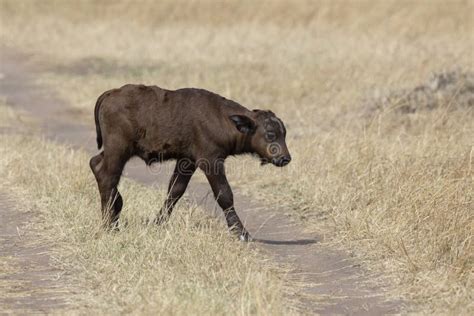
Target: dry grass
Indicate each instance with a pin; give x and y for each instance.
(10, 117)
(396, 188)
(189, 266)
(317, 58)
(401, 197)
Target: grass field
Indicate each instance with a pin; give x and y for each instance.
(387, 175)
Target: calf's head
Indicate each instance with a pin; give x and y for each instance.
(266, 134)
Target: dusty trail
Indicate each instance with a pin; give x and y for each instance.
(28, 282)
(338, 283)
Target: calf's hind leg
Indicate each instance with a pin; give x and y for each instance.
(95, 163)
(108, 170)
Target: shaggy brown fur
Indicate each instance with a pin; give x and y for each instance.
(196, 127)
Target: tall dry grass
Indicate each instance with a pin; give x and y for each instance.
(394, 188)
(308, 60)
(399, 197)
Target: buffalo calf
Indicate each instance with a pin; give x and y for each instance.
(196, 127)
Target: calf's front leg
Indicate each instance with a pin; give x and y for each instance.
(224, 197)
(182, 173)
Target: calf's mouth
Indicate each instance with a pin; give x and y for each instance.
(276, 161)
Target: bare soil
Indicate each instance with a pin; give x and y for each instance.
(29, 282)
(332, 281)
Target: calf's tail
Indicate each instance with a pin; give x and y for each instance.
(97, 124)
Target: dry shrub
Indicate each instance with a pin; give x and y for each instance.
(452, 89)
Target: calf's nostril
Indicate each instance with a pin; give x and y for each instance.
(285, 160)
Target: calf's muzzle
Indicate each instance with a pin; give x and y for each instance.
(281, 161)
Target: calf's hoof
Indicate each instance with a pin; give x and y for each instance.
(160, 219)
(111, 228)
(245, 237)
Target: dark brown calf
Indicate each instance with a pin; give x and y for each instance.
(196, 127)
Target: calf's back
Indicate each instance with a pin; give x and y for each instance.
(156, 123)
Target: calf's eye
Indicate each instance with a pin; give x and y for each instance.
(270, 136)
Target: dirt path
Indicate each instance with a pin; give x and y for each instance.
(335, 283)
(28, 282)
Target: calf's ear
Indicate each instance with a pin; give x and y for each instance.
(243, 123)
